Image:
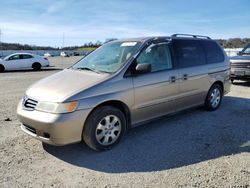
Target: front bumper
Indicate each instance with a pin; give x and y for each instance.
(54, 129)
(240, 73)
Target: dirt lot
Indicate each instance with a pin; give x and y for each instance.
(194, 148)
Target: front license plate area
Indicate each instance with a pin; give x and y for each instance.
(239, 73)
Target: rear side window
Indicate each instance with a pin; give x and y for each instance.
(188, 53)
(213, 52)
(26, 56)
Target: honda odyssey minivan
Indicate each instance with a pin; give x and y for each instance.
(123, 84)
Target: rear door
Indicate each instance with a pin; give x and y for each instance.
(154, 92)
(28, 60)
(193, 73)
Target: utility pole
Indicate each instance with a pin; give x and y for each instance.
(63, 40)
(1, 49)
(62, 49)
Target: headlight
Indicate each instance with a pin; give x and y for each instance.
(57, 108)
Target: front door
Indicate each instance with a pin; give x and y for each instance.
(15, 62)
(154, 92)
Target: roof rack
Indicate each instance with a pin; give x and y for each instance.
(188, 35)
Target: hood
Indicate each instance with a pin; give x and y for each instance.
(240, 58)
(60, 86)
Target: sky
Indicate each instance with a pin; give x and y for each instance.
(45, 22)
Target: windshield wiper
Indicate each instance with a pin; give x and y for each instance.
(88, 69)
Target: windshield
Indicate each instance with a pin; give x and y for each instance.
(246, 50)
(108, 58)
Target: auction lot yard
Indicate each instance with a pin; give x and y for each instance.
(194, 148)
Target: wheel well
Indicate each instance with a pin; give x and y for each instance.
(119, 105)
(219, 83)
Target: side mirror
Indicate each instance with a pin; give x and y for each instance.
(143, 68)
(240, 53)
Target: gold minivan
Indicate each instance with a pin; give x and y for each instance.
(123, 84)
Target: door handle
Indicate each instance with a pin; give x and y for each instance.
(185, 76)
(172, 79)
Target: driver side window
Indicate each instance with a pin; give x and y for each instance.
(14, 57)
(158, 55)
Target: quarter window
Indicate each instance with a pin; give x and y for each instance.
(158, 55)
(188, 53)
(212, 51)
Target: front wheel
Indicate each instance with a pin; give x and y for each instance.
(214, 97)
(104, 128)
(2, 68)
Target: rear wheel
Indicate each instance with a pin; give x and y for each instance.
(36, 66)
(232, 81)
(214, 97)
(104, 128)
(2, 68)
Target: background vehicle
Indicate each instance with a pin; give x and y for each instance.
(23, 61)
(76, 53)
(240, 65)
(64, 54)
(122, 84)
(47, 54)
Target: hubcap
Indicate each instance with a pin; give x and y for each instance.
(108, 130)
(215, 97)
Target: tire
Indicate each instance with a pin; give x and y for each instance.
(36, 66)
(214, 98)
(232, 81)
(2, 68)
(104, 128)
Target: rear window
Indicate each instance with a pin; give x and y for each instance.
(188, 53)
(213, 52)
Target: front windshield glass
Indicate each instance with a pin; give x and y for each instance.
(108, 58)
(246, 50)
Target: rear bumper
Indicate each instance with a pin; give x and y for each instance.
(54, 129)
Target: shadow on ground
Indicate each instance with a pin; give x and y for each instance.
(186, 138)
(242, 83)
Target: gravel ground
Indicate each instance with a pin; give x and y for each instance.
(194, 148)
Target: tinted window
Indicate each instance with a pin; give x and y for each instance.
(26, 56)
(188, 53)
(212, 51)
(158, 55)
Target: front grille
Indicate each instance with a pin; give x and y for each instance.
(29, 104)
(241, 65)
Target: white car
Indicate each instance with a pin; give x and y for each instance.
(64, 54)
(23, 61)
(47, 54)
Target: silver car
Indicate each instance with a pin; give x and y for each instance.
(240, 65)
(123, 84)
